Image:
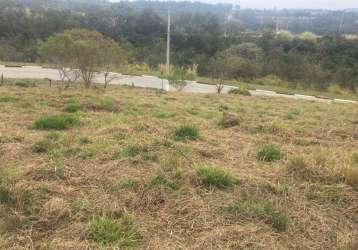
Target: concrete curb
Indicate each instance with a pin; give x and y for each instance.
(306, 97)
(344, 101)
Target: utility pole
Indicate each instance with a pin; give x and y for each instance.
(341, 22)
(168, 46)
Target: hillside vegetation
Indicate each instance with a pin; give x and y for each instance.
(142, 169)
(307, 50)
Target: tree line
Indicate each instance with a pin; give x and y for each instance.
(202, 38)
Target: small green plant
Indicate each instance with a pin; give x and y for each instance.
(72, 106)
(163, 114)
(84, 140)
(42, 146)
(270, 153)
(56, 122)
(159, 179)
(255, 209)
(215, 177)
(81, 204)
(107, 230)
(187, 132)
(126, 184)
(8, 98)
(24, 84)
(292, 114)
(133, 150)
(46, 144)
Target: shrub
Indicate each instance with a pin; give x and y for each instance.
(337, 89)
(241, 90)
(265, 211)
(187, 132)
(72, 106)
(215, 177)
(57, 122)
(106, 230)
(269, 152)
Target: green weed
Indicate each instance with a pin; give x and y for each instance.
(187, 132)
(73, 106)
(107, 230)
(215, 177)
(270, 153)
(56, 122)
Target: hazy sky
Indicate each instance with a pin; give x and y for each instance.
(300, 4)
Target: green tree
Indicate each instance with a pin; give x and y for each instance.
(78, 49)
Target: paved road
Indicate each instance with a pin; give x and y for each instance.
(35, 72)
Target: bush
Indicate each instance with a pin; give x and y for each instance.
(215, 177)
(241, 90)
(106, 230)
(72, 106)
(272, 80)
(57, 122)
(269, 153)
(337, 89)
(187, 132)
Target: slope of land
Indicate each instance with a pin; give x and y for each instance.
(143, 169)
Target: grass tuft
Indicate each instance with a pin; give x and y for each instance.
(265, 211)
(72, 106)
(159, 179)
(106, 230)
(269, 153)
(126, 184)
(215, 177)
(56, 122)
(133, 150)
(187, 132)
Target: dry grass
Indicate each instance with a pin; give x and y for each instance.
(124, 158)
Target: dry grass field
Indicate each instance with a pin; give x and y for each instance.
(140, 169)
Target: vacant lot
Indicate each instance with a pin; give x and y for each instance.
(134, 168)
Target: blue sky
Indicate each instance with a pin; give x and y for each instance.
(300, 4)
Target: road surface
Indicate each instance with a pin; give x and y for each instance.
(37, 72)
